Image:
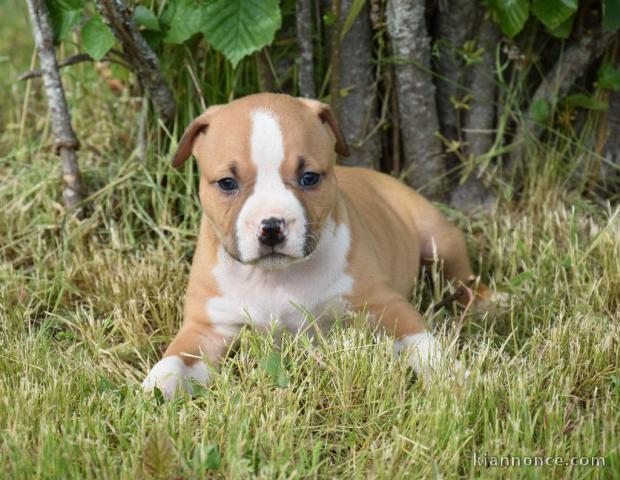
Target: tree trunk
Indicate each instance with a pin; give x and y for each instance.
(479, 121)
(144, 61)
(609, 172)
(305, 60)
(423, 163)
(454, 27)
(334, 80)
(358, 105)
(266, 82)
(65, 141)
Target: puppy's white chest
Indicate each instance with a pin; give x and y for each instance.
(259, 297)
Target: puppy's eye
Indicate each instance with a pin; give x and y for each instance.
(228, 184)
(309, 179)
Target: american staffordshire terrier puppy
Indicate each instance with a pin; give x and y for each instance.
(283, 227)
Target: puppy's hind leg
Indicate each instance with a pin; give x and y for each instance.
(447, 242)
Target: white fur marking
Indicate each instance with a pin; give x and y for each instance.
(171, 373)
(423, 350)
(270, 197)
(257, 296)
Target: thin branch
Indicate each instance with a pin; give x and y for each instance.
(572, 64)
(138, 53)
(65, 140)
(65, 62)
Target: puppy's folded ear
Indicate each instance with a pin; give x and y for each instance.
(326, 115)
(186, 145)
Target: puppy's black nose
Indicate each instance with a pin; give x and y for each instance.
(271, 231)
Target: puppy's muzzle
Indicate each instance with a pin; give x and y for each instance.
(272, 232)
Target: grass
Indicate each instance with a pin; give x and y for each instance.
(87, 307)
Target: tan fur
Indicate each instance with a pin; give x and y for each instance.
(393, 229)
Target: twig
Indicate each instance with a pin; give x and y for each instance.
(266, 80)
(65, 62)
(138, 53)
(142, 141)
(65, 141)
(577, 56)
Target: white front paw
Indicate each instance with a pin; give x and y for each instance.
(171, 374)
(423, 352)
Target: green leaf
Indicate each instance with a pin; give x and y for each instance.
(354, 12)
(208, 457)
(153, 38)
(552, 13)
(512, 14)
(105, 385)
(585, 101)
(274, 367)
(97, 39)
(540, 111)
(159, 457)
(64, 15)
(159, 396)
(184, 18)
(563, 30)
(329, 18)
(608, 77)
(611, 15)
(238, 28)
(521, 278)
(146, 18)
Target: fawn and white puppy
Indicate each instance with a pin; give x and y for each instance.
(284, 228)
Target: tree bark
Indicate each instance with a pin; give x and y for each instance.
(144, 61)
(305, 60)
(479, 121)
(65, 140)
(423, 162)
(334, 81)
(454, 27)
(358, 106)
(573, 63)
(609, 172)
(266, 82)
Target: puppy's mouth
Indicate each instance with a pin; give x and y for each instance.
(278, 256)
(275, 260)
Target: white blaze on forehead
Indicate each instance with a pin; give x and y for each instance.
(270, 197)
(267, 146)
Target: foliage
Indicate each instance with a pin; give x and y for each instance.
(65, 15)
(235, 28)
(239, 27)
(97, 39)
(512, 14)
(608, 77)
(556, 15)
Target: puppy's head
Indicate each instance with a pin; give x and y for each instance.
(267, 180)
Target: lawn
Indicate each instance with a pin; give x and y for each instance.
(86, 307)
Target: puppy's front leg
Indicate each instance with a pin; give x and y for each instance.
(398, 317)
(184, 360)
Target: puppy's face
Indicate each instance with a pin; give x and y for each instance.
(267, 179)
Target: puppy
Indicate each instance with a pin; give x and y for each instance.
(283, 227)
